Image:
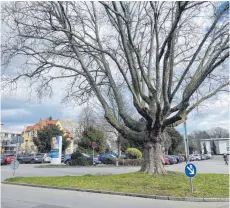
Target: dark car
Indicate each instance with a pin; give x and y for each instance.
(171, 160)
(105, 156)
(178, 158)
(30, 158)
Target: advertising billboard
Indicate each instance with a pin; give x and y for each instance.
(56, 149)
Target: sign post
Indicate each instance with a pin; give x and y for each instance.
(190, 171)
(189, 166)
(94, 145)
(14, 165)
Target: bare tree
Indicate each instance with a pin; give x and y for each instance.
(218, 132)
(165, 55)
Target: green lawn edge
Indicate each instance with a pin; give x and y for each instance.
(173, 184)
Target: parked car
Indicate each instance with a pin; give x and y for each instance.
(183, 157)
(166, 160)
(178, 158)
(67, 158)
(8, 158)
(208, 156)
(195, 157)
(105, 156)
(46, 158)
(30, 158)
(172, 160)
(203, 157)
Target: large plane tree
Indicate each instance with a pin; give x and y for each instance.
(167, 57)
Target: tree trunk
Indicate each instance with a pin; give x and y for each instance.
(153, 159)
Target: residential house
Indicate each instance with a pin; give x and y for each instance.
(31, 131)
(8, 138)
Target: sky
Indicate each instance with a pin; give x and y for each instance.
(19, 110)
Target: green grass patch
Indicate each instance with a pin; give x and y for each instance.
(172, 184)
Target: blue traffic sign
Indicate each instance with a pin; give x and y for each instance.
(190, 170)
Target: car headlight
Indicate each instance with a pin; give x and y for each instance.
(36, 158)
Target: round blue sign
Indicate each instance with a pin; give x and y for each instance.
(14, 164)
(190, 170)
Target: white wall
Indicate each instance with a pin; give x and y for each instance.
(222, 147)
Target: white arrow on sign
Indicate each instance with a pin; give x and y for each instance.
(191, 170)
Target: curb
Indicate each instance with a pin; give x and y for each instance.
(172, 198)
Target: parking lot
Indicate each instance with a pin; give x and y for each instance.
(215, 165)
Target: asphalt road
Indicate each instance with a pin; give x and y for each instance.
(215, 165)
(29, 197)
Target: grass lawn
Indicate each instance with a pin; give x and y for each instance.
(173, 184)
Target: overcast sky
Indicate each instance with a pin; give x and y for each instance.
(18, 111)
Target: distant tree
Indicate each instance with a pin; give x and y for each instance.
(176, 140)
(192, 147)
(205, 148)
(89, 135)
(44, 136)
(219, 132)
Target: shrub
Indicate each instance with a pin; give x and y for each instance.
(80, 161)
(76, 155)
(109, 161)
(133, 153)
(128, 162)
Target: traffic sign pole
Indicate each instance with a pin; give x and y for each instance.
(16, 157)
(187, 152)
(94, 145)
(190, 171)
(93, 155)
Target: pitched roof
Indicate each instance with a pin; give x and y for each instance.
(40, 124)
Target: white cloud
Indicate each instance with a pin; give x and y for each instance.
(14, 113)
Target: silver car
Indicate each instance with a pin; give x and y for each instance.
(196, 157)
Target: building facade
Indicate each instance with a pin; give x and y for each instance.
(8, 138)
(215, 146)
(31, 131)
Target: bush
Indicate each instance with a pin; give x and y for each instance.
(76, 155)
(80, 161)
(128, 162)
(133, 153)
(109, 161)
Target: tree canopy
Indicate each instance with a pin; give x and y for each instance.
(42, 141)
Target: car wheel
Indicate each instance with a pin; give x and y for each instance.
(20, 162)
(197, 159)
(32, 161)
